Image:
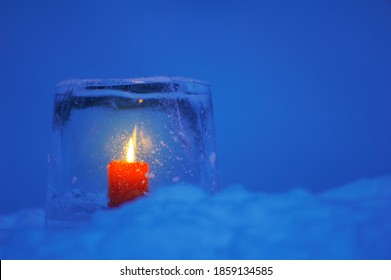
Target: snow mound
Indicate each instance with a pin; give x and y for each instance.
(182, 222)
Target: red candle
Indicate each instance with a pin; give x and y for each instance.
(127, 179)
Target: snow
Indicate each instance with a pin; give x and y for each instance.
(183, 222)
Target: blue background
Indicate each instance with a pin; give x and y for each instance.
(301, 89)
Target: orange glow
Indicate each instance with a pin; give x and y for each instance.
(127, 179)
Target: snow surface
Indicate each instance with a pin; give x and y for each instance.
(182, 222)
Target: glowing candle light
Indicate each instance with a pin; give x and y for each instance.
(127, 179)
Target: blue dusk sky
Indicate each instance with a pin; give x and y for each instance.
(301, 89)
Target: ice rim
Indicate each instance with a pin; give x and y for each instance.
(143, 85)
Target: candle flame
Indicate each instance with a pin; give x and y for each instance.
(131, 153)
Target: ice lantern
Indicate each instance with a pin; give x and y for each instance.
(168, 120)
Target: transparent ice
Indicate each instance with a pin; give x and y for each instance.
(93, 121)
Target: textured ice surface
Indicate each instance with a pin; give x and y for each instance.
(182, 222)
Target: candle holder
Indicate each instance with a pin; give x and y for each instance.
(116, 140)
